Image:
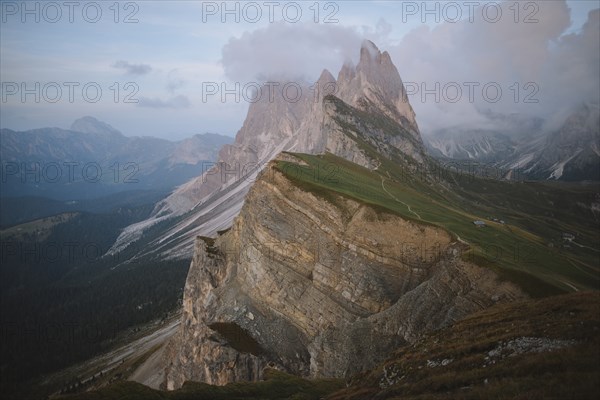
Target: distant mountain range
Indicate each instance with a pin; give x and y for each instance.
(75, 189)
(520, 149)
(93, 159)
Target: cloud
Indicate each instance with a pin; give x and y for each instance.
(383, 28)
(290, 51)
(562, 70)
(572, 73)
(174, 81)
(132, 69)
(177, 102)
(527, 61)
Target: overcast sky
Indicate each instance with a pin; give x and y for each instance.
(145, 67)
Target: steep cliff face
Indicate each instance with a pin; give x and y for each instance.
(317, 284)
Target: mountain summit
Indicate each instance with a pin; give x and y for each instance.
(92, 125)
(323, 118)
(376, 84)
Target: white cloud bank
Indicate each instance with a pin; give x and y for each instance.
(558, 70)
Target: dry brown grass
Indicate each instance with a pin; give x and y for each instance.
(572, 372)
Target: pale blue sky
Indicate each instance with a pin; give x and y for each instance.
(170, 52)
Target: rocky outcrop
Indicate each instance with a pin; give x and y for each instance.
(317, 286)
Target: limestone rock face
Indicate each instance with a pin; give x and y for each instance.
(317, 288)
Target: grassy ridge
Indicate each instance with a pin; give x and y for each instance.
(527, 249)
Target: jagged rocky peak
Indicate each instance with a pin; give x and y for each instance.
(280, 120)
(368, 49)
(326, 84)
(376, 84)
(371, 55)
(308, 124)
(348, 72)
(326, 77)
